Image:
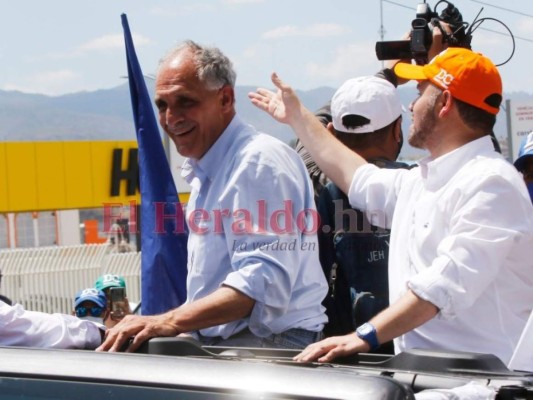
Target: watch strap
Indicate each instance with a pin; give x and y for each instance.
(368, 333)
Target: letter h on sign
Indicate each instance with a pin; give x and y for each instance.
(131, 175)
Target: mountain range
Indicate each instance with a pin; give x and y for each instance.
(106, 115)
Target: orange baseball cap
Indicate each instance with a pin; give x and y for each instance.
(468, 76)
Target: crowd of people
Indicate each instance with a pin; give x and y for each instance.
(430, 256)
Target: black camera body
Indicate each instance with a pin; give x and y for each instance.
(421, 35)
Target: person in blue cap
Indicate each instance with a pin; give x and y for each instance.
(91, 304)
(524, 163)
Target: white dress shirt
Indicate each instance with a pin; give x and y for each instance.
(523, 355)
(462, 239)
(247, 193)
(19, 327)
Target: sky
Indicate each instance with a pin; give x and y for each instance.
(56, 47)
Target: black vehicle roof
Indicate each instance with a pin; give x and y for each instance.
(193, 373)
(174, 363)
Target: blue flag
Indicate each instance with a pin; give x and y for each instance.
(163, 231)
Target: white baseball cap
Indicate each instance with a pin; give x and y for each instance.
(369, 96)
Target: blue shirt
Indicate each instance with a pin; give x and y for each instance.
(252, 223)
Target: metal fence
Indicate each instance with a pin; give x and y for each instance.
(47, 278)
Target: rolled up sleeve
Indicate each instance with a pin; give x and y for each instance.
(483, 230)
(275, 267)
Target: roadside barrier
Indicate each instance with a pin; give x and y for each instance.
(47, 278)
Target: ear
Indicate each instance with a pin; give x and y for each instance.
(331, 129)
(397, 130)
(227, 97)
(446, 103)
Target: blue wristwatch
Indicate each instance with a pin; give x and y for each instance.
(367, 332)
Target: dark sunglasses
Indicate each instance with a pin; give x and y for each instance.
(95, 311)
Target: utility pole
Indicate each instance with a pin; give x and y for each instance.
(381, 28)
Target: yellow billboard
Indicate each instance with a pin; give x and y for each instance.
(37, 176)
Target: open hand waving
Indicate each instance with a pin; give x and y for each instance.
(283, 105)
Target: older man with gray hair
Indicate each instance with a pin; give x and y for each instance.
(254, 278)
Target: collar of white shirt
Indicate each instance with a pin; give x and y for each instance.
(437, 172)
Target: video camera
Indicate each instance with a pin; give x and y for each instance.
(421, 34)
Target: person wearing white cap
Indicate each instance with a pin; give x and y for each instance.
(318, 178)
(462, 222)
(366, 117)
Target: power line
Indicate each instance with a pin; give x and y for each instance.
(506, 34)
(398, 4)
(484, 29)
(502, 8)
(474, 1)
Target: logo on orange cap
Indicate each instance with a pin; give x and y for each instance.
(444, 78)
(468, 76)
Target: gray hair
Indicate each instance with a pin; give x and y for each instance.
(213, 67)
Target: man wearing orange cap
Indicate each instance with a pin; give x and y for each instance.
(462, 223)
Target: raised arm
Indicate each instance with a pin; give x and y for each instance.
(337, 161)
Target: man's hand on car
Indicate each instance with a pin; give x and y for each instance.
(333, 347)
(139, 329)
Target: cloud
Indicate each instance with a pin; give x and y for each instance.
(316, 30)
(109, 42)
(347, 61)
(48, 82)
(184, 10)
(251, 53)
(324, 67)
(523, 27)
(102, 43)
(488, 39)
